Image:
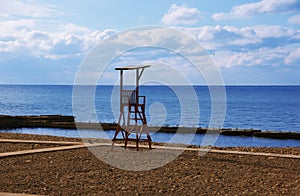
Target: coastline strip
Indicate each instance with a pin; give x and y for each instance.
(68, 122)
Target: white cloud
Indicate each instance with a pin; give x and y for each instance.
(55, 56)
(26, 37)
(220, 36)
(26, 8)
(68, 28)
(275, 31)
(14, 27)
(293, 57)
(181, 15)
(257, 57)
(263, 45)
(233, 46)
(27, 28)
(9, 46)
(263, 6)
(294, 19)
(214, 37)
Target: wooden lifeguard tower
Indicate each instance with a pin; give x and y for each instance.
(132, 119)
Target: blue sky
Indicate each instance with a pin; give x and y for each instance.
(251, 42)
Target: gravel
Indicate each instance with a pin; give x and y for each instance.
(79, 172)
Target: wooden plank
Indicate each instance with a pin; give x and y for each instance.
(15, 194)
(208, 150)
(39, 142)
(256, 153)
(230, 152)
(7, 154)
(25, 152)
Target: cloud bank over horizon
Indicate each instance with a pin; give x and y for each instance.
(36, 45)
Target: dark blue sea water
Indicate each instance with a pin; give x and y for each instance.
(275, 108)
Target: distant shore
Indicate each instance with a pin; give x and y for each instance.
(68, 122)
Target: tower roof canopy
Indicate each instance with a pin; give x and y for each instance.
(131, 67)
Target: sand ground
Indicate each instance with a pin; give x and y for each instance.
(79, 172)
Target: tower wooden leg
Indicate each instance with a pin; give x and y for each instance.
(149, 141)
(137, 140)
(148, 137)
(126, 138)
(117, 132)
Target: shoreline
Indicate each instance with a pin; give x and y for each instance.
(68, 122)
(14, 137)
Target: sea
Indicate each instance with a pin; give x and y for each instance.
(266, 108)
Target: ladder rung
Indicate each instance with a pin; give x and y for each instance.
(136, 112)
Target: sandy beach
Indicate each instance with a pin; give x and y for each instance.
(79, 172)
(149, 98)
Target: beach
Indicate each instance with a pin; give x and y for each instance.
(146, 98)
(79, 172)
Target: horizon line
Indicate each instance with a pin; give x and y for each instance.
(36, 84)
